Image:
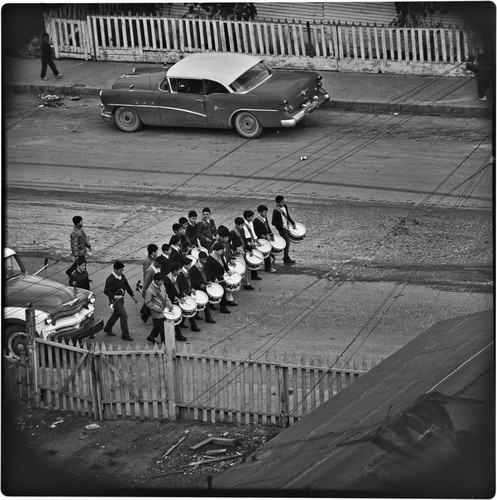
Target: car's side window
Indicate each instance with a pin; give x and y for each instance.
(187, 86)
(212, 87)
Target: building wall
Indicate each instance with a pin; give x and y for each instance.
(349, 12)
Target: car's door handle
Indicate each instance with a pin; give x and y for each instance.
(199, 100)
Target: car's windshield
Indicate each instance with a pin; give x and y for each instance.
(12, 267)
(251, 78)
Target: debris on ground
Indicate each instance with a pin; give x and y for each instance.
(57, 422)
(51, 100)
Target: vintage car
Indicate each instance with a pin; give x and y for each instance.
(62, 313)
(213, 90)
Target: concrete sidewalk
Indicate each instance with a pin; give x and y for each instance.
(363, 92)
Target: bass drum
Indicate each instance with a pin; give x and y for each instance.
(188, 307)
(174, 316)
(201, 298)
(215, 292)
(264, 246)
(238, 266)
(297, 234)
(278, 244)
(232, 281)
(254, 260)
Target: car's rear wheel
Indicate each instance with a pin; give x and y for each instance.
(16, 340)
(247, 125)
(127, 120)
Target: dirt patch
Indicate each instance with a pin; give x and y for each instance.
(48, 452)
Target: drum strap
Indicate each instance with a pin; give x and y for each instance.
(159, 298)
(249, 229)
(202, 272)
(265, 222)
(284, 215)
(241, 236)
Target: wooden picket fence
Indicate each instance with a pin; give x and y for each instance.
(176, 382)
(323, 45)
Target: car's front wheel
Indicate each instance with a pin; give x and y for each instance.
(247, 125)
(16, 340)
(127, 120)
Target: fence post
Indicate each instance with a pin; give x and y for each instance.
(312, 50)
(169, 355)
(96, 384)
(285, 403)
(27, 356)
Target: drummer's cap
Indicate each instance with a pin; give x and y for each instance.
(202, 255)
(118, 265)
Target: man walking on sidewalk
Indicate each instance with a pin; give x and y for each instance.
(46, 58)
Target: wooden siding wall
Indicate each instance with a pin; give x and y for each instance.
(344, 12)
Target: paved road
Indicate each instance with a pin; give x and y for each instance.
(366, 194)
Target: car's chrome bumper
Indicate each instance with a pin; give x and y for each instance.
(307, 108)
(106, 116)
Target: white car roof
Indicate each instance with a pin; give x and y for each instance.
(220, 67)
(7, 252)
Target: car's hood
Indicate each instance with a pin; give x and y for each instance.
(45, 295)
(295, 86)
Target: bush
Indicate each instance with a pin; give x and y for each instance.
(32, 49)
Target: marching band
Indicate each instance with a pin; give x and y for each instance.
(202, 265)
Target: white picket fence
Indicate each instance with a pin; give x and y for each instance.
(316, 45)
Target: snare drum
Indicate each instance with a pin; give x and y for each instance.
(188, 307)
(264, 246)
(298, 234)
(238, 266)
(232, 281)
(254, 260)
(278, 244)
(215, 292)
(201, 298)
(173, 316)
(195, 251)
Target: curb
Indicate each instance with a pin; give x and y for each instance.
(361, 107)
(412, 109)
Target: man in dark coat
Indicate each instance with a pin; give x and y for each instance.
(215, 267)
(46, 58)
(281, 220)
(198, 279)
(116, 285)
(186, 288)
(263, 231)
(174, 293)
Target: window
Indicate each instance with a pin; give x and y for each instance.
(187, 86)
(212, 87)
(251, 78)
(12, 267)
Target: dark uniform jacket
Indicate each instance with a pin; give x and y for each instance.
(113, 285)
(277, 219)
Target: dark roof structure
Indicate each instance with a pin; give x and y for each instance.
(419, 424)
